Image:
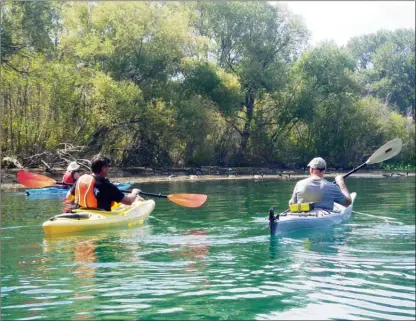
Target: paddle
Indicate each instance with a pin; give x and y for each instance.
(385, 152)
(186, 200)
(33, 180)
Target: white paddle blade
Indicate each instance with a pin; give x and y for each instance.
(387, 151)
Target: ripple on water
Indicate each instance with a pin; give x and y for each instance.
(216, 262)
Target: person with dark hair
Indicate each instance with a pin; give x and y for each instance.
(96, 191)
(316, 189)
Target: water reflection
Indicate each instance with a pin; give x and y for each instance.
(89, 261)
(83, 253)
(192, 246)
(95, 247)
(195, 252)
(327, 240)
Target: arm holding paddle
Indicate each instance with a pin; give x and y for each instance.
(339, 179)
(131, 197)
(126, 200)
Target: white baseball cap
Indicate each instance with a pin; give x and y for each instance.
(318, 163)
(73, 166)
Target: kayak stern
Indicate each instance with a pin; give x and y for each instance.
(287, 222)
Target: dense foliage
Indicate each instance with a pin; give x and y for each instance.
(199, 83)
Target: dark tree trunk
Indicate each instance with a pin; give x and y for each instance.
(249, 106)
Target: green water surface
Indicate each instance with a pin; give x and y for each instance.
(215, 262)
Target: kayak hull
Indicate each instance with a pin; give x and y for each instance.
(318, 218)
(85, 220)
(59, 191)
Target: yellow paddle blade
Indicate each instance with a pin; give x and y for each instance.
(33, 180)
(188, 200)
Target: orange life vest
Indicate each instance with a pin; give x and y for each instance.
(84, 192)
(68, 178)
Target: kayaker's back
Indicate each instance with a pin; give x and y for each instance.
(319, 191)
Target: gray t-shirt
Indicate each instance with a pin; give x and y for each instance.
(318, 190)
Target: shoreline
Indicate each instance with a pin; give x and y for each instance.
(10, 184)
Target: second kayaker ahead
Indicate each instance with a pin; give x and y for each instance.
(318, 190)
(72, 173)
(96, 191)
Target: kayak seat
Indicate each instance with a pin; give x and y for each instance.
(317, 212)
(74, 216)
(303, 213)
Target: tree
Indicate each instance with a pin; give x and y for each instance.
(28, 27)
(255, 42)
(324, 101)
(134, 41)
(386, 60)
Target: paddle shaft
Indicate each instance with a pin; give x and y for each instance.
(154, 195)
(147, 194)
(141, 193)
(354, 170)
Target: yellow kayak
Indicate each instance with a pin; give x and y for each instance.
(86, 219)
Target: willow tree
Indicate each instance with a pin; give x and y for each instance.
(131, 42)
(256, 42)
(328, 92)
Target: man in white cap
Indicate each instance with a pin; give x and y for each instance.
(318, 190)
(72, 173)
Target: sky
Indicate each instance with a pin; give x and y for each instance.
(341, 20)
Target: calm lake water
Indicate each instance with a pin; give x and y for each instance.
(215, 262)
